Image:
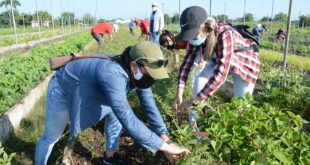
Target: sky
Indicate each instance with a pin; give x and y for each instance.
(112, 9)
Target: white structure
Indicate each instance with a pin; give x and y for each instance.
(46, 24)
(34, 24)
(122, 21)
(116, 27)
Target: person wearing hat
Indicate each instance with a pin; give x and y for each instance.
(86, 90)
(100, 29)
(230, 54)
(156, 23)
(258, 31)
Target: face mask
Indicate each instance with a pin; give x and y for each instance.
(145, 82)
(138, 75)
(154, 8)
(198, 41)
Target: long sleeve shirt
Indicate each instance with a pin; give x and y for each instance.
(91, 83)
(244, 63)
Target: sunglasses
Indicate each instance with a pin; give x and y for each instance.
(152, 62)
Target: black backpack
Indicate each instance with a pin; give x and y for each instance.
(242, 29)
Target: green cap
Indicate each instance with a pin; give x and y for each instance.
(151, 57)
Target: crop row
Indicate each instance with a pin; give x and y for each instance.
(18, 74)
(264, 129)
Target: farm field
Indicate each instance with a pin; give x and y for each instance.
(269, 128)
(8, 40)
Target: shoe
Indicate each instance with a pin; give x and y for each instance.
(116, 160)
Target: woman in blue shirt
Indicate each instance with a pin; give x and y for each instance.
(86, 90)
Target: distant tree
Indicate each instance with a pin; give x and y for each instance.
(68, 18)
(249, 17)
(222, 17)
(43, 15)
(7, 3)
(102, 20)
(264, 19)
(304, 21)
(167, 19)
(280, 17)
(27, 18)
(5, 19)
(89, 19)
(175, 19)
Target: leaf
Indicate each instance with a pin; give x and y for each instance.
(216, 145)
(280, 156)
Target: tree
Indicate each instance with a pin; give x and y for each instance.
(44, 15)
(27, 18)
(304, 21)
(266, 19)
(167, 19)
(280, 17)
(89, 19)
(249, 17)
(222, 17)
(7, 3)
(68, 18)
(5, 19)
(175, 19)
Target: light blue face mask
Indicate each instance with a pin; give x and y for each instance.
(198, 40)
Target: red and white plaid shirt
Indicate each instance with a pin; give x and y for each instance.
(244, 63)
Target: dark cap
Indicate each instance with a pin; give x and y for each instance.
(190, 21)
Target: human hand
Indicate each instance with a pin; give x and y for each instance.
(202, 64)
(186, 105)
(177, 102)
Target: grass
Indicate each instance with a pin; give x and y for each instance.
(293, 61)
(24, 139)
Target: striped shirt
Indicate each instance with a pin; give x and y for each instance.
(244, 63)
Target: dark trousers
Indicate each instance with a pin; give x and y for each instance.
(98, 38)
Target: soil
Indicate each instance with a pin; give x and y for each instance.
(130, 152)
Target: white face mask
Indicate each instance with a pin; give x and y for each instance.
(170, 43)
(154, 8)
(138, 75)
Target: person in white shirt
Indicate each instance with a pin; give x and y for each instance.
(156, 23)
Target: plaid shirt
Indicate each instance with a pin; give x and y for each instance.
(245, 63)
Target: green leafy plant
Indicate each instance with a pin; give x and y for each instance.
(241, 133)
(5, 159)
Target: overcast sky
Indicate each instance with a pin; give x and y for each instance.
(110, 9)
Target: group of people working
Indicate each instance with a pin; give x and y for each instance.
(87, 90)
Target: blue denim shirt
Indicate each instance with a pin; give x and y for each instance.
(90, 83)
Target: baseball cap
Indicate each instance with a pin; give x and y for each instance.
(190, 21)
(151, 57)
(154, 4)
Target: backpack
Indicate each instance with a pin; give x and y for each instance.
(242, 29)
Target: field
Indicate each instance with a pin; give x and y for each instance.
(30, 35)
(269, 128)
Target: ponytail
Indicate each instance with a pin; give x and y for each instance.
(210, 25)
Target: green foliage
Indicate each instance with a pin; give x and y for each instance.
(249, 17)
(241, 133)
(291, 94)
(18, 74)
(304, 21)
(5, 159)
(280, 17)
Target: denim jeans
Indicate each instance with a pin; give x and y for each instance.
(155, 37)
(240, 86)
(57, 117)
